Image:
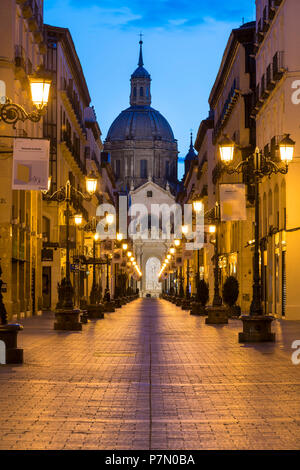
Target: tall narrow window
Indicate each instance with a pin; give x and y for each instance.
(134, 92)
(118, 168)
(144, 169)
(167, 169)
(141, 91)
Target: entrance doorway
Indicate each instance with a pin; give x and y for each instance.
(46, 288)
(153, 287)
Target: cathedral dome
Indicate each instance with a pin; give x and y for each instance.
(140, 123)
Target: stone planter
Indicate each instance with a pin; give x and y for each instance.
(84, 316)
(198, 309)
(186, 304)
(9, 334)
(216, 315)
(256, 329)
(117, 303)
(67, 320)
(95, 311)
(109, 307)
(234, 311)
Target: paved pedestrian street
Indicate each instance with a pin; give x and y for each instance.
(150, 376)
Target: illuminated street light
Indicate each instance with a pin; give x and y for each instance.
(91, 183)
(197, 205)
(78, 219)
(287, 148)
(109, 219)
(226, 147)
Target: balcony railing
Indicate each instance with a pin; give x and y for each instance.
(66, 138)
(265, 22)
(20, 57)
(278, 65)
(75, 103)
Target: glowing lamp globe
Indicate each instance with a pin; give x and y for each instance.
(287, 148)
(91, 183)
(226, 147)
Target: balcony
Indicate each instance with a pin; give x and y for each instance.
(263, 25)
(263, 89)
(72, 152)
(72, 104)
(278, 65)
(270, 82)
(227, 109)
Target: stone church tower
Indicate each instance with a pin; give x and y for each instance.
(140, 140)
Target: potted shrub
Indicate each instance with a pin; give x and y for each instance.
(230, 296)
(202, 296)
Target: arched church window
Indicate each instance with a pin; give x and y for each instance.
(141, 91)
(147, 92)
(134, 91)
(144, 169)
(167, 169)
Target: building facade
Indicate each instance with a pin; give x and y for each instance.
(76, 149)
(21, 53)
(277, 113)
(144, 156)
(140, 140)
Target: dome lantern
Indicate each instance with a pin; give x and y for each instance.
(140, 83)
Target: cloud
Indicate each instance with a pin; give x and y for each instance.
(165, 13)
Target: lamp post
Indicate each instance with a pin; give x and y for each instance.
(40, 83)
(196, 308)
(3, 313)
(217, 313)
(65, 320)
(215, 229)
(94, 290)
(257, 326)
(186, 303)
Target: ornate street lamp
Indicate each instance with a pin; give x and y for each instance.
(78, 219)
(40, 84)
(3, 313)
(66, 194)
(257, 326)
(198, 207)
(215, 229)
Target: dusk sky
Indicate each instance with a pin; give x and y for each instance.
(183, 45)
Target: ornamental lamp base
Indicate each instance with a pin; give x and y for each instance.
(186, 304)
(109, 307)
(256, 329)
(216, 315)
(8, 334)
(67, 320)
(198, 309)
(95, 311)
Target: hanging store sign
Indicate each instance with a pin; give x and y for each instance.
(31, 164)
(63, 236)
(108, 247)
(179, 261)
(233, 202)
(188, 254)
(117, 257)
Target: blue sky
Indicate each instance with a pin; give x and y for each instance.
(183, 45)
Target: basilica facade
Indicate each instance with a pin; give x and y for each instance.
(144, 157)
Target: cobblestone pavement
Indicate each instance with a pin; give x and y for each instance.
(150, 376)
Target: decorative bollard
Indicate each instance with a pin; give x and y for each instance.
(8, 334)
(256, 329)
(67, 320)
(216, 315)
(95, 312)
